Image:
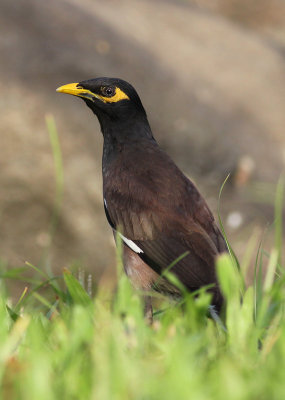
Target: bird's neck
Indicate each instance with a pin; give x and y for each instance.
(120, 134)
(125, 129)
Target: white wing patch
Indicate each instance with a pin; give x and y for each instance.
(131, 244)
(128, 242)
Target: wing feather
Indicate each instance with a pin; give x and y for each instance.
(163, 214)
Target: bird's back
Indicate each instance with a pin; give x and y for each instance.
(158, 208)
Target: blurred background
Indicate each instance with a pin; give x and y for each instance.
(211, 75)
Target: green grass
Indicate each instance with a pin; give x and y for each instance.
(61, 344)
(58, 342)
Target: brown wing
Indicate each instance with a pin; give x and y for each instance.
(162, 213)
(162, 240)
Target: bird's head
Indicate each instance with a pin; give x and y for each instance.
(109, 97)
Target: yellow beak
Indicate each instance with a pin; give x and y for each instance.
(75, 90)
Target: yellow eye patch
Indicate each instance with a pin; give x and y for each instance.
(119, 95)
(75, 90)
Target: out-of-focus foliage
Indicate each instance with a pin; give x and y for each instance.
(63, 344)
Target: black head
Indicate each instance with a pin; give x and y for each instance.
(109, 97)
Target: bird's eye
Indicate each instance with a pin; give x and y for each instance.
(108, 91)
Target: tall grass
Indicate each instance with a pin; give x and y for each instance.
(69, 346)
(59, 343)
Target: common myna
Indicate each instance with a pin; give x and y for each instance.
(156, 210)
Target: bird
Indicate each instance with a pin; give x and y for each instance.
(162, 219)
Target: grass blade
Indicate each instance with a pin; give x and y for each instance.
(278, 218)
(76, 291)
